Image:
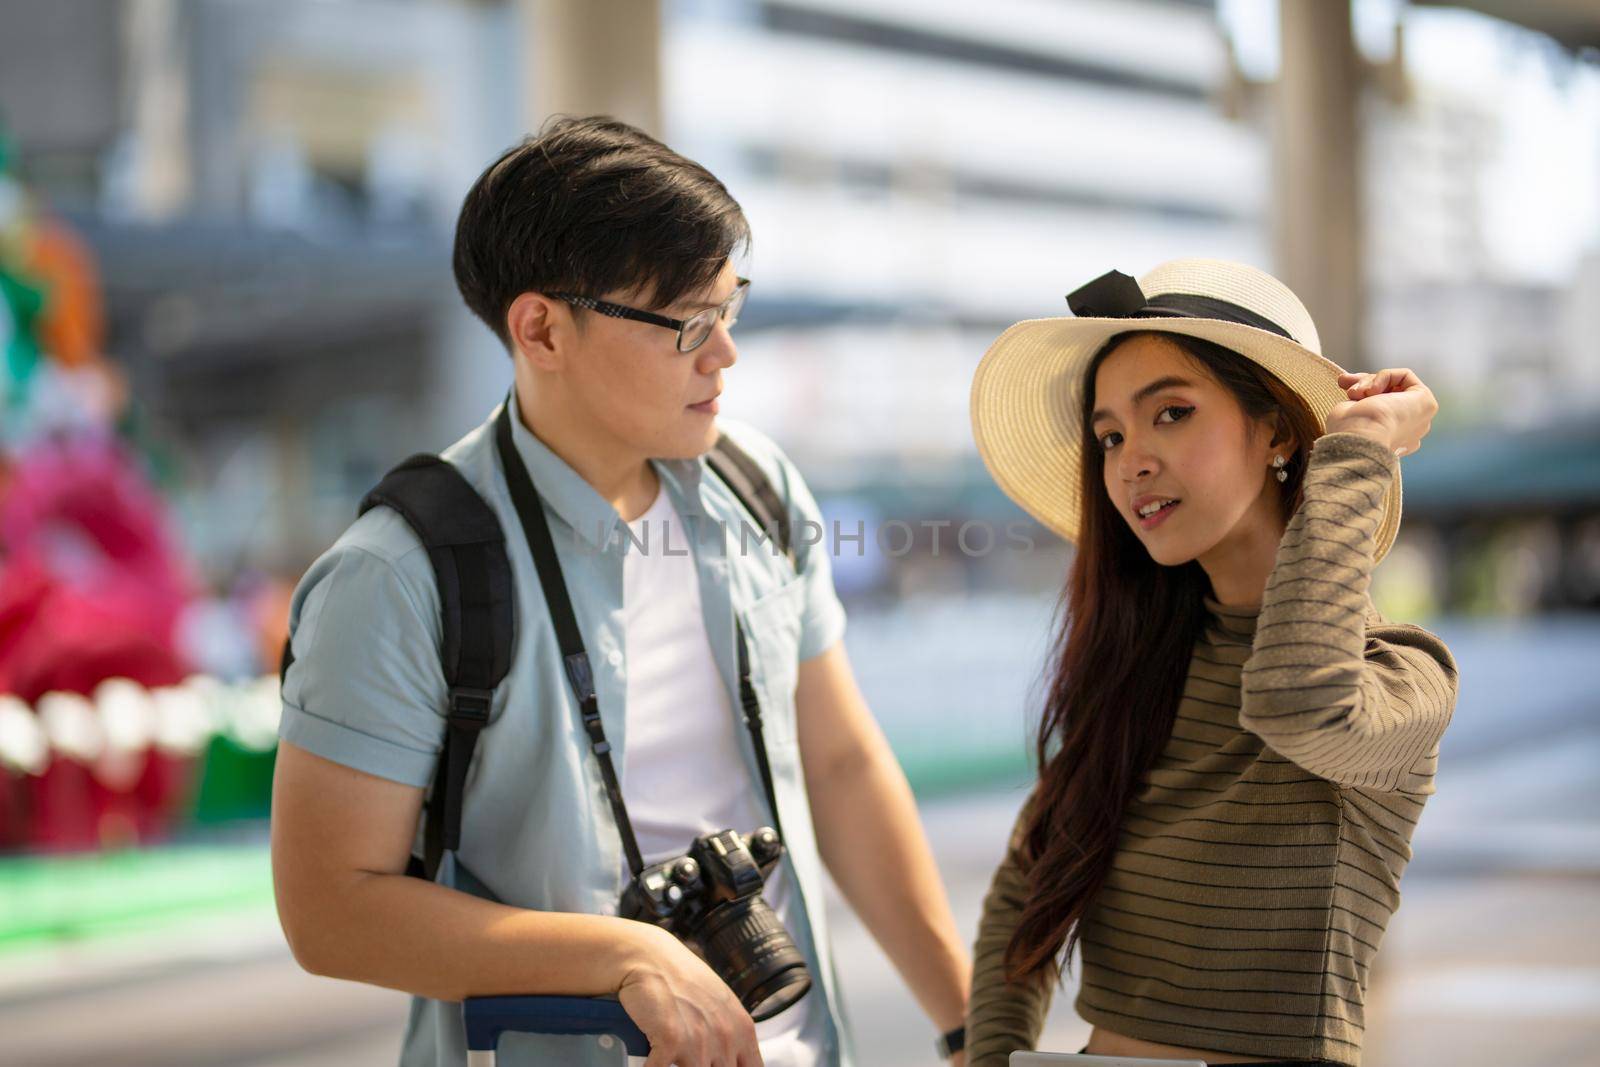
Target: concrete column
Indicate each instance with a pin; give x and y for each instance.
(1317, 167)
(585, 57)
(158, 104)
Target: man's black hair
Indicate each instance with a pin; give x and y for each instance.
(590, 206)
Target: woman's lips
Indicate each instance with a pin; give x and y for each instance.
(1151, 522)
(705, 407)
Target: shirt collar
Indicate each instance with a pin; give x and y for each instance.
(682, 479)
(1236, 622)
(575, 501)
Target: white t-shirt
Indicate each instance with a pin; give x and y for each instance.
(683, 771)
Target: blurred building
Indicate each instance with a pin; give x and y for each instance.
(1500, 347)
(270, 190)
(919, 176)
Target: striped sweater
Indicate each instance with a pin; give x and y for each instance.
(1260, 858)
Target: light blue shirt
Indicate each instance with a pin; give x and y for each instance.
(366, 690)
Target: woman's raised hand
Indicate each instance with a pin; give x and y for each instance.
(1392, 407)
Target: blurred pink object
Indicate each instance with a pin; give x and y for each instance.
(91, 587)
(91, 582)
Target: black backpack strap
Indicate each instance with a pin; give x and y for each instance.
(464, 542)
(755, 491)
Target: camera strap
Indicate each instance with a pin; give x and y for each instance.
(575, 658)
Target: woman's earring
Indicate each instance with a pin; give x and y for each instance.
(1278, 462)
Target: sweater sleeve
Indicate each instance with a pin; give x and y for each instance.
(1330, 684)
(1003, 1016)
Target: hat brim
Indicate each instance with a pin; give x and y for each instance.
(1025, 404)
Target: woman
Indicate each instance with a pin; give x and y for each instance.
(1235, 745)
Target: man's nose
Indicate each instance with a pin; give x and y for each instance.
(718, 352)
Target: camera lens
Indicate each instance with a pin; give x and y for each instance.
(744, 942)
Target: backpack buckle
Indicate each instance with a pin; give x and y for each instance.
(469, 707)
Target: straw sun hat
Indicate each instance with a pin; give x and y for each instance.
(1026, 393)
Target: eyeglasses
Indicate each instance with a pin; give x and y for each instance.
(692, 331)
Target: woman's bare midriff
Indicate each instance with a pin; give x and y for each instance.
(1103, 1042)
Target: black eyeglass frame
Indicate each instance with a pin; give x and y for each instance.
(727, 311)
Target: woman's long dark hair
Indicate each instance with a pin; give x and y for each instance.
(1126, 632)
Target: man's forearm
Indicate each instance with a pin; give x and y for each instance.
(425, 939)
(872, 841)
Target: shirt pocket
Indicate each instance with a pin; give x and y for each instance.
(772, 625)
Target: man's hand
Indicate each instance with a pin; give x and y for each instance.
(340, 839)
(689, 1014)
(1392, 407)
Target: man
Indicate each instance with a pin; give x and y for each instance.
(603, 261)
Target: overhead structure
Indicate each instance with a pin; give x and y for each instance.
(1574, 23)
(1317, 208)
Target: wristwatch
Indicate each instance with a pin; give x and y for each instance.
(951, 1043)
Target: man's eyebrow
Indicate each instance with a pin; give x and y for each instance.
(1171, 381)
(687, 303)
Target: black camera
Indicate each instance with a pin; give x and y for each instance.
(711, 898)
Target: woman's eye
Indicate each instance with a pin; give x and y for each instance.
(1105, 440)
(1182, 413)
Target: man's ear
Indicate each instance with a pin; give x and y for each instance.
(539, 329)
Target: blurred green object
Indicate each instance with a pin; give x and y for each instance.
(53, 898)
(236, 783)
(934, 773)
(20, 304)
(1492, 473)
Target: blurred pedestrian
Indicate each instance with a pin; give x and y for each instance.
(1235, 745)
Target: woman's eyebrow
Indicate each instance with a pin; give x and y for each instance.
(1171, 381)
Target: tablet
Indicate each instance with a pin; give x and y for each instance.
(1078, 1059)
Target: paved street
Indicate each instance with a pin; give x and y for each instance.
(1491, 960)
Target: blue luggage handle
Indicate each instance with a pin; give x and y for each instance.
(489, 1017)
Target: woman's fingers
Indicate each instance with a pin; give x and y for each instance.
(1393, 402)
(1355, 385)
(1372, 383)
(1360, 384)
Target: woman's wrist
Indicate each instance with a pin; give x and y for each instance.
(1345, 443)
(1365, 427)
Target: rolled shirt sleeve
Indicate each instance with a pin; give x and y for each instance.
(365, 687)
